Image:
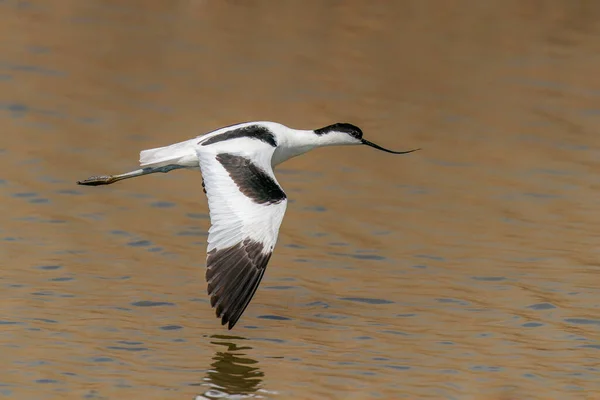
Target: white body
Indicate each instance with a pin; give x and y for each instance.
(291, 143)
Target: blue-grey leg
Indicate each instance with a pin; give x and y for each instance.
(108, 179)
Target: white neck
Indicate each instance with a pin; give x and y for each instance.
(293, 142)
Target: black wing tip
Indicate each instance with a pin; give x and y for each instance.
(227, 313)
(225, 318)
(231, 324)
(233, 275)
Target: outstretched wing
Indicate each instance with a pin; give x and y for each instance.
(246, 207)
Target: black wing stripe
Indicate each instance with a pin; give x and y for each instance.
(253, 132)
(254, 182)
(233, 274)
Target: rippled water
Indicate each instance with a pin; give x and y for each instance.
(468, 270)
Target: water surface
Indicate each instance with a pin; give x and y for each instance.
(468, 270)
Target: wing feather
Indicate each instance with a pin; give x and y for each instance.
(246, 206)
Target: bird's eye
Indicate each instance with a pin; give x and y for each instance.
(356, 134)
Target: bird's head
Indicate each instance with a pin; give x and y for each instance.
(348, 134)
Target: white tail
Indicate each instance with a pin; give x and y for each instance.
(182, 153)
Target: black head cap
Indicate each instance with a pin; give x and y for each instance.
(350, 129)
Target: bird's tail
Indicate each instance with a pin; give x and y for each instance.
(182, 153)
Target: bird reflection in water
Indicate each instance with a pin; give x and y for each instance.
(231, 372)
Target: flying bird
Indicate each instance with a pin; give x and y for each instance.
(245, 201)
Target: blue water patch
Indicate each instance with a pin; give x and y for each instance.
(162, 204)
(120, 348)
(273, 340)
(372, 257)
(102, 359)
(488, 278)
(366, 300)
(541, 306)
(130, 342)
(148, 303)
(49, 267)
(47, 321)
(120, 233)
(582, 321)
(453, 301)
(321, 304)
(15, 108)
(120, 278)
(532, 325)
(171, 327)
(380, 359)
(62, 279)
(2, 322)
(330, 316)
(274, 317)
(341, 244)
(398, 367)
(46, 381)
(485, 368)
(43, 293)
(315, 209)
(139, 243)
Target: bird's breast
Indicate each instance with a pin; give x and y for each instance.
(284, 153)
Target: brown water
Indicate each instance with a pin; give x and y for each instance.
(469, 270)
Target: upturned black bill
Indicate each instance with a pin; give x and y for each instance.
(386, 150)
